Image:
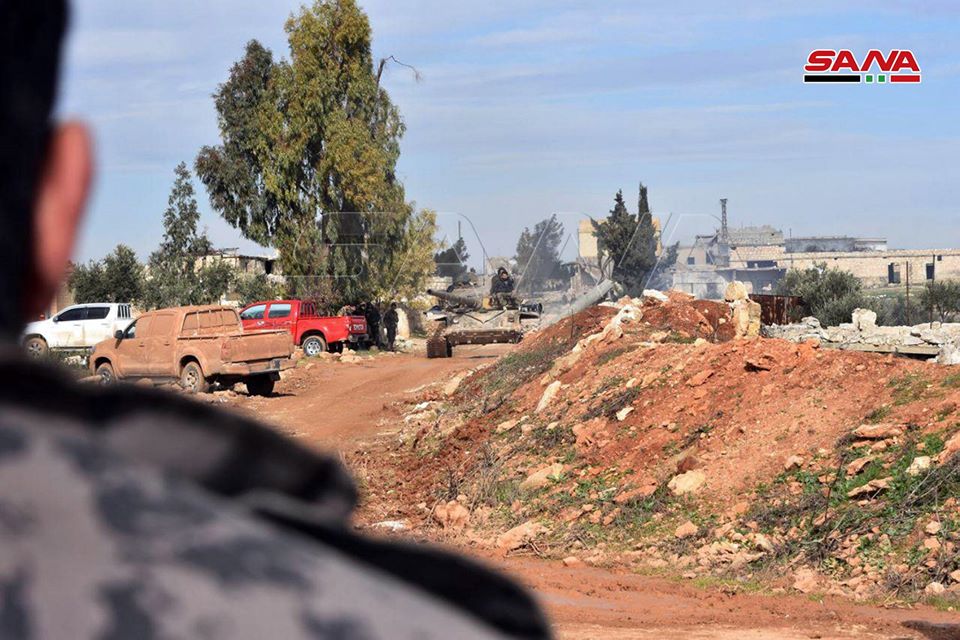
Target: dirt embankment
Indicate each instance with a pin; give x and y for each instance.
(645, 436)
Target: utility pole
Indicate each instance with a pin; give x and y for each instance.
(724, 244)
(724, 230)
(933, 278)
(909, 318)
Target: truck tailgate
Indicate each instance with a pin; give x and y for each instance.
(356, 324)
(261, 345)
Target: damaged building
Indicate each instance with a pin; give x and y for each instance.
(760, 256)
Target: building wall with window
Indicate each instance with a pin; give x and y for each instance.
(762, 267)
(883, 269)
(240, 263)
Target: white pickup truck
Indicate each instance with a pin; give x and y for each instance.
(76, 328)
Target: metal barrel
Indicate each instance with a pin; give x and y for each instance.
(467, 301)
(591, 297)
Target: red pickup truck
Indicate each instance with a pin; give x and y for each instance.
(313, 332)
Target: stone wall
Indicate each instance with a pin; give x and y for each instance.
(940, 341)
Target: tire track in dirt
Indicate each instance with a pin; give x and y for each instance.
(334, 406)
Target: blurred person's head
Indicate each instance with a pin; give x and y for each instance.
(44, 168)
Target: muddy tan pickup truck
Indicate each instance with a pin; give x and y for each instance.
(197, 346)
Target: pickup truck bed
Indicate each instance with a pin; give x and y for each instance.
(196, 345)
(310, 330)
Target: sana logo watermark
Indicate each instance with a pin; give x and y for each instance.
(896, 66)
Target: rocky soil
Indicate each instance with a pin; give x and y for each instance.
(648, 435)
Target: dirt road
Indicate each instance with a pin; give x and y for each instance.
(587, 603)
(338, 406)
(334, 405)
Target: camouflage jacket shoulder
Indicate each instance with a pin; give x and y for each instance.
(132, 513)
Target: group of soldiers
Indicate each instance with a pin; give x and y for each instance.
(389, 320)
(501, 289)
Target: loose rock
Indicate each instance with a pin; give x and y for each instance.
(451, 387)
(920, 464)
(548, 395)
(806, 581)
(541, 477)
(452, 515)
(699, 378)
(877, 431)
(689, 482)
(519, 535)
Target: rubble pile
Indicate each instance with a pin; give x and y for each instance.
(661, 431)
(941, 341)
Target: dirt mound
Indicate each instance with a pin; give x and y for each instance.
(568, 331)
(691, 318)
(644, 433)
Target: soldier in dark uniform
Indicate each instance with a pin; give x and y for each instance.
(501, 289)
(128, 512)
(390, 321)
(503, 283)
(373, 323)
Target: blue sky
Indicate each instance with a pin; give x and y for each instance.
(529, 108)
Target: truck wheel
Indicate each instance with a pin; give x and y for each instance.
(192, 380)
(314, 346)
(259, 385)
(36, 347)
(105, 371)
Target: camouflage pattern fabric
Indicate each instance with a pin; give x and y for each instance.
(133, 513)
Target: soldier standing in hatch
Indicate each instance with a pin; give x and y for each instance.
(503, 283)
(501, 289)
(390, 321)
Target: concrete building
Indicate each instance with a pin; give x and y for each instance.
(762, 236)
(587, 249)
(254, 265)
(244, 264)
(842, 244)
(761, 256)
(892, 269)
(587, 269)
(706, 266)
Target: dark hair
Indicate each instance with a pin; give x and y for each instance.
(31, 32)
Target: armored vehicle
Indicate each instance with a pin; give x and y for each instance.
(467, 315)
